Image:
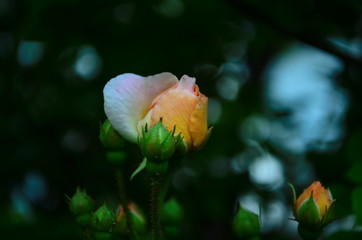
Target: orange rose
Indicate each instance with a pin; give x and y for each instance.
(132, 101)
(313, 208)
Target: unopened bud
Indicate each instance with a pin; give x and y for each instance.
(246, 224)
(181, 146)
(110, 138)
(157, 143)
(103, 219)
(313, 210)
(172, 212)
(81, 203)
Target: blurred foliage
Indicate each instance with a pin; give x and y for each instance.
(52, 104)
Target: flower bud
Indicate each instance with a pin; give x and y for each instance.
(138, 221)
(110, 138)
(157, 143)
(172, 212)
(246, 224)
(81, 203)
(103, 219)
(314, 208)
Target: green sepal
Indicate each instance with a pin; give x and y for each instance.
(293, 191)
(330, 215)
(157, 143)
(180, 145)
(246, 224)
(209, 132)
(103, 219)
(139, 168)
(308, 214)
(294, 197)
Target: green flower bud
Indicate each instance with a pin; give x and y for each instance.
(314, 208)
(157, 143)
(110, 138)
(103, 219)
(246, 224)
(172, 212)
(81, 203)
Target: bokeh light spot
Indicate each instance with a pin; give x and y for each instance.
(267, 172)
(30, 53)
(88, 63)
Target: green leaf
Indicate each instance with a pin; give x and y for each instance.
(139, 169)
(357, 204)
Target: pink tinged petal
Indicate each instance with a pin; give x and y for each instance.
(187, 82)
(128, 96)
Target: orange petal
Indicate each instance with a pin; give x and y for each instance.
(322, 197)
(198, 123)
(175, 108)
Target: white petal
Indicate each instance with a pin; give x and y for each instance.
(128, 96)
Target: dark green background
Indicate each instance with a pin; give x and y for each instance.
(50, 116)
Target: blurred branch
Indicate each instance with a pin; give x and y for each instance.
(322, 44)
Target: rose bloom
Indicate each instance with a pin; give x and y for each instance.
(321, 196)
(132, 101)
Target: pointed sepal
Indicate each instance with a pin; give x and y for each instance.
(330, 216)
(308, 213)
(246, 224)
(157, 143)
(139, 168)
(294, 198)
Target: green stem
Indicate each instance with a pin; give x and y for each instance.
(122, 193)
(159, 187)
(307, 234)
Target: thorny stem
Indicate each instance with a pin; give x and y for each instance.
(121, 188)
(159, 187)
